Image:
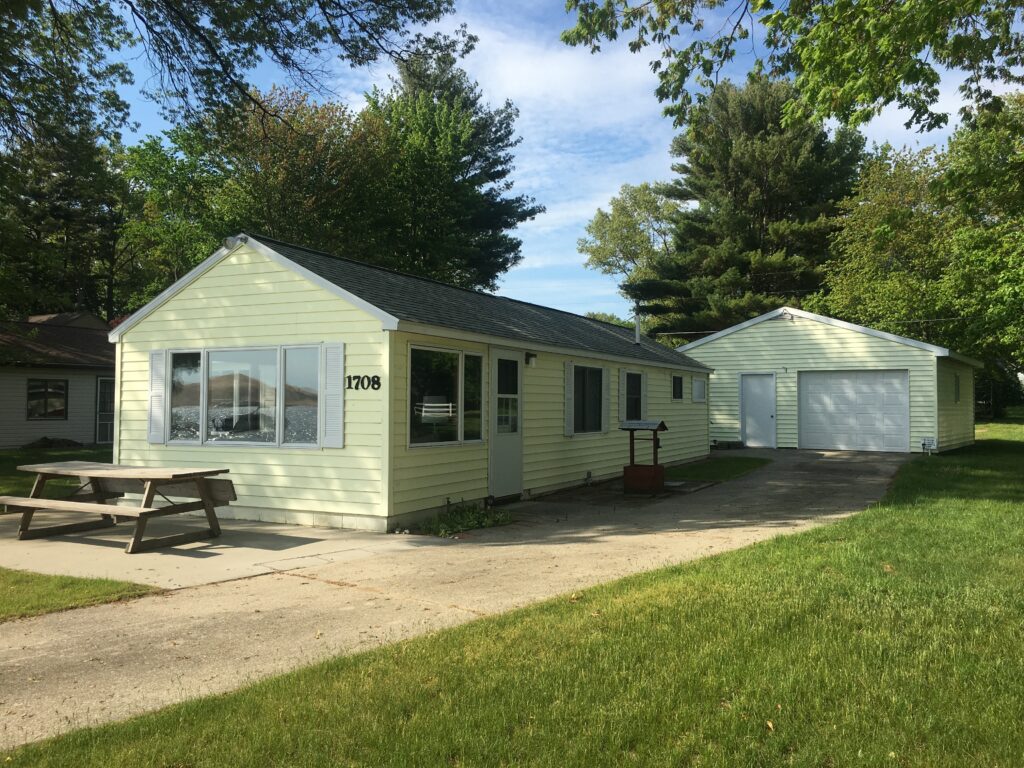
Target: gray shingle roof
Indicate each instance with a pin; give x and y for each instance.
(420, 300)
(47, 341)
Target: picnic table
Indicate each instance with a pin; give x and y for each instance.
(102, 484)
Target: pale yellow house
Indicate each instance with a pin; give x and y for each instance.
(341, 394)
(794, 379)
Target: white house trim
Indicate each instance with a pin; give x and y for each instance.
(389, 322)
(792, 312)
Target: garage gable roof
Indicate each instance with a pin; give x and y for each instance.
(792, 312)
(396, 298)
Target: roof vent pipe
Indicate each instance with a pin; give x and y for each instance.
(636, 327)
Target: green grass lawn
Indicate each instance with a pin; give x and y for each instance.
(28, 594)
(15, 483)
(891, 638)
(716, 470)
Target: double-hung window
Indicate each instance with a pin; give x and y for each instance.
(266, 396)
(445, 396)
(634, 396)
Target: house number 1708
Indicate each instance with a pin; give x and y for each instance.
(362, 382)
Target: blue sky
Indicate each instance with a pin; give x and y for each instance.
(589, 124)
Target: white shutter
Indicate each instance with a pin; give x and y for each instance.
(570, 405)
(334, 396)
(643, 395)
(606, 389)
(157, 399)
(622, 394)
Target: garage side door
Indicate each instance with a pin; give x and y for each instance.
(855, 410)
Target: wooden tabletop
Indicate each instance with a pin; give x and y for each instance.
(123, 471)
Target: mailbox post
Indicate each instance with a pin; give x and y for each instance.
(643, 478)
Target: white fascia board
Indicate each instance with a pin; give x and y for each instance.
(529, 346)
(781, 311)
(388, 321)
(229, 247)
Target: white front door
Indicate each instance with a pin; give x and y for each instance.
(757, 409)
(506, 423)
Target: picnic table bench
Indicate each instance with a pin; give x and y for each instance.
(105, 483)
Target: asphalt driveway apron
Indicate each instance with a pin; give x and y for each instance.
(109, 662)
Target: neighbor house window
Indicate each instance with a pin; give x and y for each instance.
(956, 387)
(445, 396)
(267, 396)
(186, 395)
(634, 396)
(700, 390)
(588, 395)
(677, 387)
(47, 399)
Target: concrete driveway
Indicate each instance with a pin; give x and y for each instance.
(267, 608)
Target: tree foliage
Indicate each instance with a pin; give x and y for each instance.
(632, 235)
(418, 181)
(930, 244)
(199, 53)
(757, 202)
(848, 58)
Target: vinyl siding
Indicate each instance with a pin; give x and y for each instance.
(246, 300)
(785, 347)
(552, 460)
(15, 427)
(956, 419)
(426, 476)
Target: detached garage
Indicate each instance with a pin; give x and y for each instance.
(793, 379)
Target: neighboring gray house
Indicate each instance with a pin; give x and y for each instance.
(56, 380)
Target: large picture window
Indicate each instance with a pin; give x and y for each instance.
(445, 396)
(588, 396)
(241, 396)
(265, 396)
(47, 399)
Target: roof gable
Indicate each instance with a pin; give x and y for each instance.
(831, 321)
(395, 297)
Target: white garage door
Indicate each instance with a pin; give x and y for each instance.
(855, 410)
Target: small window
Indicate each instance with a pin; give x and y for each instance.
(508, 396)
(47, 399)
(634, 396)
(677, 387)
(956, 387)
(186, 383)
(588, 394)
(434, 397)
(700, 390)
